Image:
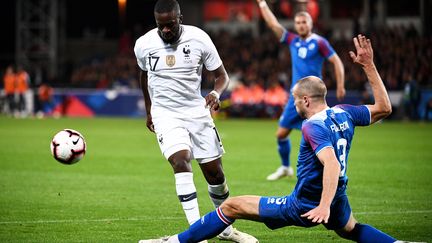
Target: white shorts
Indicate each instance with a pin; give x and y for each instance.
(198, 135)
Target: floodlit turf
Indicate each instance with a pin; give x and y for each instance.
(123, 190)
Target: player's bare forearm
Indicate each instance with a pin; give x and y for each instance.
(270, 19)
(147, 100)
(340, 77)
(364, 57)
(382, 107)
(321, 214)
(144, 89)
(221, 83)
(222, 79)
(330, 175)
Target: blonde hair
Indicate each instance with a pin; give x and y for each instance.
(313, 87)
(305, 14)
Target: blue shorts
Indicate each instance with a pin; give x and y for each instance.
(290, 118)
(278, 212)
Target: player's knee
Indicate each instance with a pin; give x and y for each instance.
(230, 208)
(348, 231)
(215, 177)
(180, 163)
(282, 133)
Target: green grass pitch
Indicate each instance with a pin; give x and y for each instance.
(123, 190)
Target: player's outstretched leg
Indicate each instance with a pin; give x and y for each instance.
(363, 233)
(218, 193)
(207, 227)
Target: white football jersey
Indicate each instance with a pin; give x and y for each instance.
(174, 71)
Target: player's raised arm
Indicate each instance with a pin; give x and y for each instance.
(270, 19)
(364, 57)
(147, 100)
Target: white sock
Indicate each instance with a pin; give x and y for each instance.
(218, 194)
(186, 193)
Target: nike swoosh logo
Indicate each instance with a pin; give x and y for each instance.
(75, 142)
(151, 54)
(187, 198)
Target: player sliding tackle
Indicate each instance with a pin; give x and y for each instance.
(320, 194)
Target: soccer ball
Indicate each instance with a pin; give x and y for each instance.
(68, 146)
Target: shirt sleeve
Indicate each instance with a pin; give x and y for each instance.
(287, 37)
(317, 135)
(141, 60)
(359, 114)
(211, 57)
(325, 48)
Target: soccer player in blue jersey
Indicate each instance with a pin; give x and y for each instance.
(320, 195)
(308, 53)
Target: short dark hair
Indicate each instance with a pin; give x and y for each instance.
(166, 6)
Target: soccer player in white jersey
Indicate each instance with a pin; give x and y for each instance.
(171, 57)
(319, 196)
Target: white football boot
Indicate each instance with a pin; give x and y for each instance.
(281, 172)
(238, 236)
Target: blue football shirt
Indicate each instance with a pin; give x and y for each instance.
(307, 56)
(332, 127)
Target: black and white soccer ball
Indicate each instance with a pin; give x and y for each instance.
(68, 146)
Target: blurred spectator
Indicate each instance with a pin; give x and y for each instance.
(22, 80)
(275, 98)
(45, 95)
(10, 89)
(247, 100)
(239, 98)
(411, 98)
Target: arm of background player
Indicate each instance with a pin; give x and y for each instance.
(382, 107)
(340, 76)
(321, 214)
(270, 19)
(147, 100)
(221, 83)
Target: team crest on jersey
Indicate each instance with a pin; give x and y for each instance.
(186, 51)
(170, 60)
(311, 46)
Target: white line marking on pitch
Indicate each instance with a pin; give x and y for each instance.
(177, 218)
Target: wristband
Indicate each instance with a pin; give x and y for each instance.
(262, 4)
(215, 93)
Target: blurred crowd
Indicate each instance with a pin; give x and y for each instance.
(260, 69)
(401, 54)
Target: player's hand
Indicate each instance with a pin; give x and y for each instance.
(318, 215)
(149, 123)
(340, 93)
(364, 50)
(212, 101)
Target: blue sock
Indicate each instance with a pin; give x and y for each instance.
(207, 227)
(364, 233)
(284, 149)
